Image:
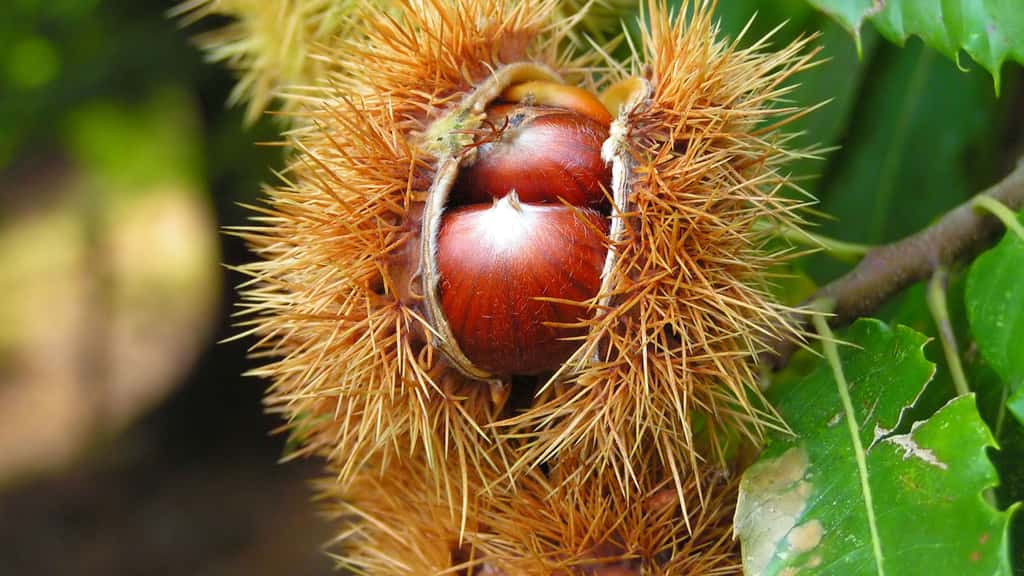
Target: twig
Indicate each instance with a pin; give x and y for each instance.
(886, 270)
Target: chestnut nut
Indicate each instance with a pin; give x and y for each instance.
(498, 266)
(522, 244)
(545, 154)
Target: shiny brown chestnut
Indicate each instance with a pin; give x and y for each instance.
(545, 154)
(500, 264)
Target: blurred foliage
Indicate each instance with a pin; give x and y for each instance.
(116, 152)
(902, 166)
(140, 143)
(111, 256)
(990, 31)
(116, 149)
(75, 72)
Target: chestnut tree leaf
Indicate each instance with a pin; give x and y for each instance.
(899, 169)
(995, 310)
(1015, 404)
(990, 31)
(835, 81)
(896, 497)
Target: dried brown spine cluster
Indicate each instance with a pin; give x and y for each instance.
(399, 523)
(347, 301)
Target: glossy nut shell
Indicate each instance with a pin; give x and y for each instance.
(500, 264)
(546, 155)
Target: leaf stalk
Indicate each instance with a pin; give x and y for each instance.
(936, 297)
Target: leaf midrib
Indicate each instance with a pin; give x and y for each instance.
(832, 355)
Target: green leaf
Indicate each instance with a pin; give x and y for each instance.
(1009, 461)
(893, 499)
(1015, 404)
(838, 80)
(990, 31)
(849, 13)
(995, 307)
(920, 142)
(911, 309)
(837, 77)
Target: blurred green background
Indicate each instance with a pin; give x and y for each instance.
(129, 441)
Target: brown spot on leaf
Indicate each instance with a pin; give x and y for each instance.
(805, 536)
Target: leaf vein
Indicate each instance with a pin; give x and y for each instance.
(832, 354)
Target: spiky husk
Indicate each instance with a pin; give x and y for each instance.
(595, 529)
(269, 44)
(402, 524)
(282, 49)
(408, 521)
(332, 303)
(667, 376)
